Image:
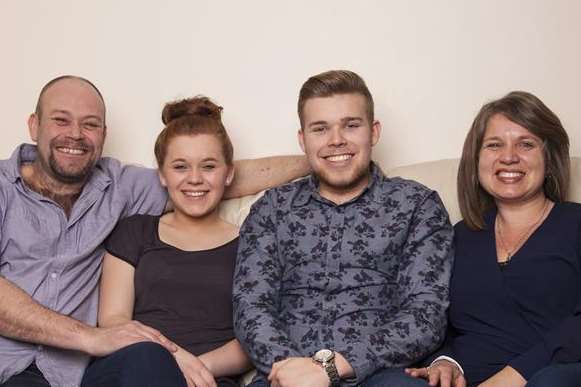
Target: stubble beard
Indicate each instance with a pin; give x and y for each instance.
(355, 179)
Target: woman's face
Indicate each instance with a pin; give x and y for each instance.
(512, 163)
(195, 174)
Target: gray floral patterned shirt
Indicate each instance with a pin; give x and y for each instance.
(367, 278)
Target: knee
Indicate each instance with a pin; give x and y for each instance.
(556, 375)
(147, 352)
(137, 365)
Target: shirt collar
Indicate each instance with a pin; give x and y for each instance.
(27, 153)
(310, 189)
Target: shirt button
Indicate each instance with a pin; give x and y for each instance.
(39, 348)
(53, 275)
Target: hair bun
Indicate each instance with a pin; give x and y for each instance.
(197, 106)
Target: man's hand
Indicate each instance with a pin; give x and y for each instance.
(104, 341)
(506, 377)
(442, 373)
(298, 372)
(194, 370)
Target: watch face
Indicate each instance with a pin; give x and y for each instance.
(324, 355)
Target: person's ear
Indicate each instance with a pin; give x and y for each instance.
(33, 125)
(301, 137)
(162, 179)
(230, 177)
(375, 132)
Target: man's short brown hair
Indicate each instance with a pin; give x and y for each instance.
(331, 83)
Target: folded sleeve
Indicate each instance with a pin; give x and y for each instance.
(127, 239)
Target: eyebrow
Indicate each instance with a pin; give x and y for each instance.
(60, 111)
(343, 120)
(317, 123)
(525, 137)
(347, 119)
(181, 159)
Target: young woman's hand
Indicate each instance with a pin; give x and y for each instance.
(195, 372)
(441, 373)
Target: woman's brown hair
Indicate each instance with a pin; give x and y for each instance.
(192, 116)
(528, 111)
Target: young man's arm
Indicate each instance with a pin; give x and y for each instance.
(255, 175)
(420, 324)
(257, 281)
(22, 318)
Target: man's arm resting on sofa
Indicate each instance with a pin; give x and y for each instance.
(24, 319)
(254, 175)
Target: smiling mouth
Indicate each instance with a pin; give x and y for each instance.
(510, 175)
(195, 194)
(72, 151)
(339, 158)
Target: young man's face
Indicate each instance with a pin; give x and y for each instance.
(337, 138)
(70, 131)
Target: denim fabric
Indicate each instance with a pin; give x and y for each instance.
(139, 365)
(559, 375)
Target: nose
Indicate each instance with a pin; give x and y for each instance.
(509, 155)
(336, 137)
(75, 131)
(194, 177)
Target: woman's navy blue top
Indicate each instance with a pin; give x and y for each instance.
(527, 314)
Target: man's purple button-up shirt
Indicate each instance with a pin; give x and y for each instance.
(57, 260)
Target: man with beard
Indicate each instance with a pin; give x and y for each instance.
(342, 277)
(59, 200)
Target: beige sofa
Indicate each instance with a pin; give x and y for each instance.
(439, 175)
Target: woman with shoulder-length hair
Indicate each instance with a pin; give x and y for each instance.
(515, 305)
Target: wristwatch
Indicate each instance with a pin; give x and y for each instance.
(326, 359)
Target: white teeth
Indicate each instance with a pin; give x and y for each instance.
(72, 151)
(195, 193)
(339, 157)
(510, 175)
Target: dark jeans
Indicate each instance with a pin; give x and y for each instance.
(385, 378)
(139, 365)
(559, 375)
(30, 377)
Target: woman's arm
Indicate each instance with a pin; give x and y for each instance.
(506, 377)
(229, 359)
(117, 294)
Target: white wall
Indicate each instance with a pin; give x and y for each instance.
(430, 64)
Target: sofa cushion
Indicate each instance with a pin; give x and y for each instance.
(440, 175)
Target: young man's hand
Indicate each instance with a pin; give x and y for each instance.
(298, 372)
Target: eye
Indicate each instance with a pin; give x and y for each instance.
(527, 145)
(91, 125)
(60, 121)
(208, 167)
(353, 124)
(318, 129)
(179, 167)
(493, 145)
